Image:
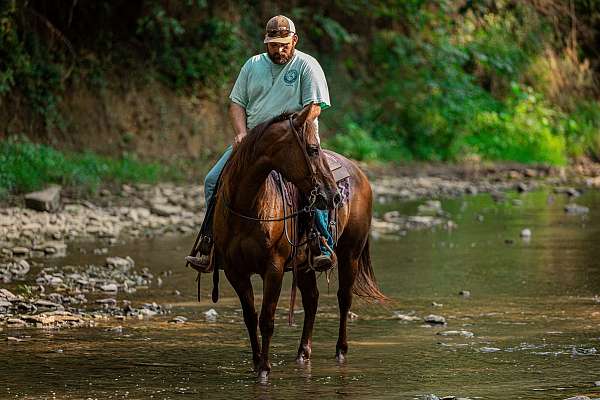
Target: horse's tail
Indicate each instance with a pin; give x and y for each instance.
(365, 284)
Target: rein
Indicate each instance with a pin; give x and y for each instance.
(311, 199)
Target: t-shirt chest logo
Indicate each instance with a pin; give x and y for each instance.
(290, 77)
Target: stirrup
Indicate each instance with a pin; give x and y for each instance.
(322, 263)
(200, 263)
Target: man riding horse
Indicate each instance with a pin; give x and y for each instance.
(281, 80)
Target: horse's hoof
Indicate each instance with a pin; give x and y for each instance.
(263, 376)
(302, 359)
(340, 357)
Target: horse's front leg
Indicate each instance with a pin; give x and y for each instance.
(347, 274)
(243, 288)
(272, 280)
(307, 282)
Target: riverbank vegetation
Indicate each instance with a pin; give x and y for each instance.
(27, 166)
(443, 80)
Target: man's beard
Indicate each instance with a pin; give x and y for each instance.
(279, 58)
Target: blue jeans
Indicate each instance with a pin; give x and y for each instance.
(210, 183)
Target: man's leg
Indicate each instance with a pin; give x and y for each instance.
(323, 261)
(202, 260)
(210, 182)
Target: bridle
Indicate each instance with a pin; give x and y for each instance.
(312, 198)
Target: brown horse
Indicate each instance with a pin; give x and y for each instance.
(250, 236)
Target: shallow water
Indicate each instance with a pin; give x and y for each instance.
(532, 311)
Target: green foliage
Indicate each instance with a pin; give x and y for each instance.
(27, 66)
(582, 130)
(527, 130)
(355, 142)
(186, 54)
(25, 166)
(414, 79)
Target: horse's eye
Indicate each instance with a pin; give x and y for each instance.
(312, 150)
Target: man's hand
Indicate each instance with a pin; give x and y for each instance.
(237, 115)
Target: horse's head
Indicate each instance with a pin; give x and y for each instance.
(294, 150)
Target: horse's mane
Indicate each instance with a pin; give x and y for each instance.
(244, 152)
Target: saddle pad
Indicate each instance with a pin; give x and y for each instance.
(338, 170)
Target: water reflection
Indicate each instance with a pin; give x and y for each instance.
(532, 301)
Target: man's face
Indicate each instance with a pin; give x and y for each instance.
(281, 53)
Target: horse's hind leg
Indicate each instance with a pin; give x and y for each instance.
(307, 282)
(347, 274)
(243, 288)
(272, 280)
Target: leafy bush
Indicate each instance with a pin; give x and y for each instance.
(193, 53)
(527, 130)
(355, 142)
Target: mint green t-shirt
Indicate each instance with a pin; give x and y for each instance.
(267, 90)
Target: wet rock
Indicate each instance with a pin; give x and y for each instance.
(406, 317)
(4, 306)
(179, 320)
(120, 263)
(575, 209)
(44, 200)
(526, 233)
(211, 315)
(465, 293)
(462, 333)
(55, 248)
(435, 319)
(584, 351)
(55, 319)
(431, 207)
(489, 349)
(48, 305)
(15, 323)
(7, 295)
(165, 210)
(110, 287)
(20, 251)
(109, 302)
(579, 398)
(115, 329)
(522, 187)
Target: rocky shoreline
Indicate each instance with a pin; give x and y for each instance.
(81, 295)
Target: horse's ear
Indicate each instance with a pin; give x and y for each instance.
(301, 116)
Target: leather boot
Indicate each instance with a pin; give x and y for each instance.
(201, 262)
(322, 263)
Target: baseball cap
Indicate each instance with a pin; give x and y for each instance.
(280, 29)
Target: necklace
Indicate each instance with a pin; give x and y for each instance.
(272, 74)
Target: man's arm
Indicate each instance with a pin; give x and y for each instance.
(237, 115)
